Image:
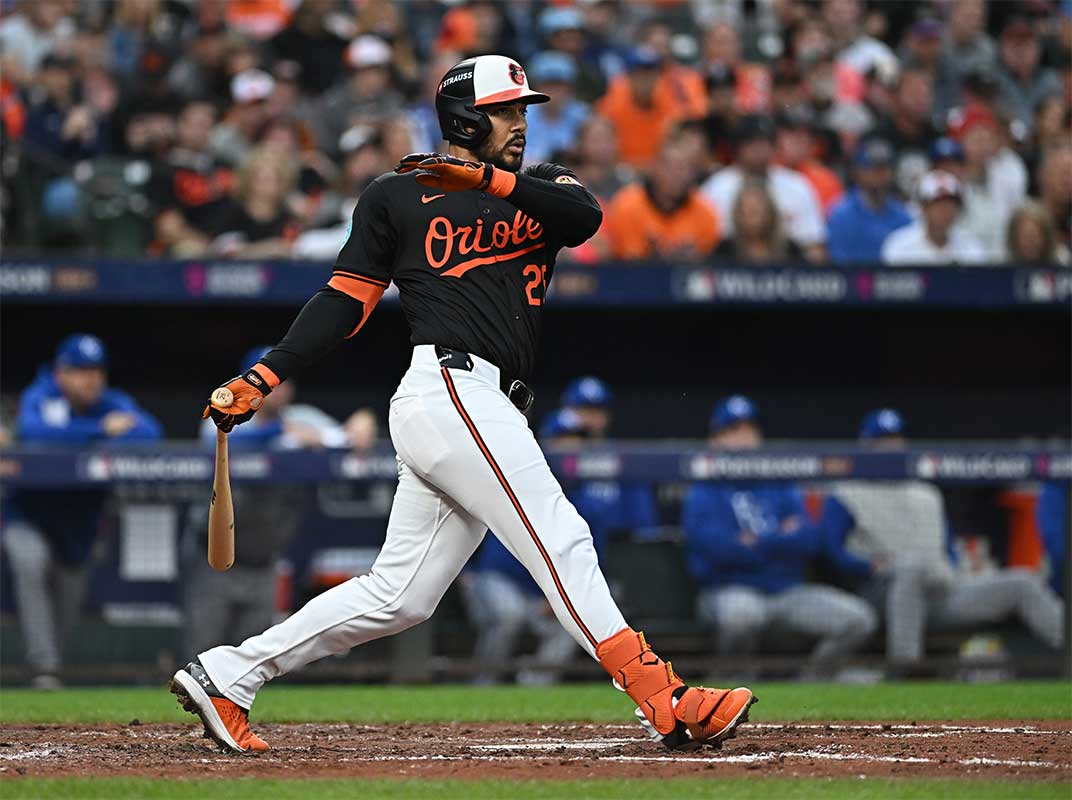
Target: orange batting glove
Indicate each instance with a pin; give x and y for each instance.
(452, 174)
(249, 391)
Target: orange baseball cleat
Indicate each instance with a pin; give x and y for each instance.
(681, 717)
(226, 722)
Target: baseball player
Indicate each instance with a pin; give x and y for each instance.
(470, 240)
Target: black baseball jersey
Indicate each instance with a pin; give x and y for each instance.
(472, 269)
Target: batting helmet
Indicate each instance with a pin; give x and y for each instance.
(477, 82)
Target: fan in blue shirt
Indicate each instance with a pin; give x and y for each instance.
(861, 220)
(69, 404)
(748, 547)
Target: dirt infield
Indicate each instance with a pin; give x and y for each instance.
(1034, 750)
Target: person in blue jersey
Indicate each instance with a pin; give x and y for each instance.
(503, 598)
(749, 545)
(47, 535)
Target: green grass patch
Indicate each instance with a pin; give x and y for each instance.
(571, 703)
(680, 789)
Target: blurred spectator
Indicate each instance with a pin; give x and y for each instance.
(590, 399)
(1031, 238)
(947, 155)
(50, 543)
(58, 125)
(316, 40)
(937, 238)
(237, 135)
(664, 216)
(993, 178)
(39, 28)
(364, 160)
(747, 547)
(190, 187)
(722, 113)
(795, 149)
(923, 46)
(1055, 188)
(856, 52)
(255, 222)
(258, 19)
(597, 163)
(645, 102)
(365, 97)
(1022, 80)
(1053, 522)
(564, 31)
(860, 222)
(553, 126)
(757, 230)
(798, 205)
(891, 540)
(722, 54)
(1053, 124)
(909, 125)
(362, 430)
(966, 50)
(201, 71)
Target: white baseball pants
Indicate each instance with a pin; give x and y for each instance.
(467, 462)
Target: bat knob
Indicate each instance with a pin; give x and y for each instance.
(222, 397)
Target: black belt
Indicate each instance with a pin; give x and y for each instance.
(518, 393)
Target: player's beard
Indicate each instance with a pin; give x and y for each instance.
(500, 158)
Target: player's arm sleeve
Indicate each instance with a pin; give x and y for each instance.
(30, 425)
(553, 196)
(338, 310)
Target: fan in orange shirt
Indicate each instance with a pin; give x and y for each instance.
(645, 101)
(795, 148)
(664, 216)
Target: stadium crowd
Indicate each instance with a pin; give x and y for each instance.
(757, 131)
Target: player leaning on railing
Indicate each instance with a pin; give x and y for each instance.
(470, 239)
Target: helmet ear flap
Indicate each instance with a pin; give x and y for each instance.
(463, 125)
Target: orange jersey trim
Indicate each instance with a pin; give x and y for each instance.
(515, 502)
(360, 288)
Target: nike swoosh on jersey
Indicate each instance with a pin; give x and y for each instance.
(428, 198)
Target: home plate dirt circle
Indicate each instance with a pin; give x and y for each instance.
(1039, 750)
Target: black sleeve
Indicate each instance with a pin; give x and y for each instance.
(361, 274)
(553, 196)
(326, 319)
(371, 241)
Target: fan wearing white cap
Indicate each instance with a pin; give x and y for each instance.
(936, 238)
(470, 240)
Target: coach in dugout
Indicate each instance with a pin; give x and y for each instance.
(890, 540)
(48, 537)
(748, 547)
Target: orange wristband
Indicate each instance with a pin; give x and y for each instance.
(502, 182)
(269, 377)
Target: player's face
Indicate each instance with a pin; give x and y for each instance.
(742, 435)
(505, 145)
(594, 419)
(82, 387)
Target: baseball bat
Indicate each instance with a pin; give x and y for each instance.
(221, 510)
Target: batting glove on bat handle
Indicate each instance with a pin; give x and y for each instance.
(249, 391)
(452, 174)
